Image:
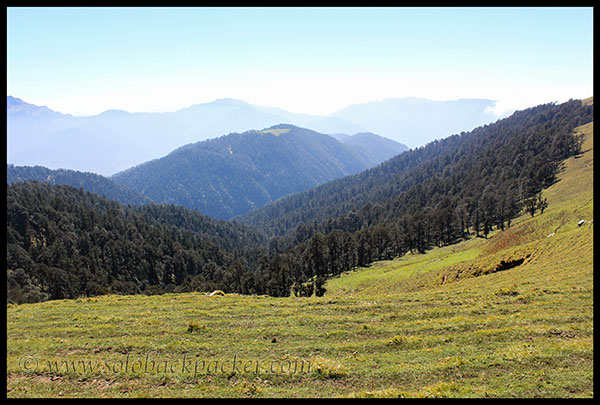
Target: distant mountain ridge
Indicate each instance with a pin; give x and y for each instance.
(374, 147)
(417, 121)
(236, 173)
(532, 141)
(116, 140)
(94, 183)
(17, 106)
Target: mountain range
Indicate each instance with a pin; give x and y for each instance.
(417, 121)
(91, 182)
(520, 152)
(116, 140)
(63, 242)
(239, 172)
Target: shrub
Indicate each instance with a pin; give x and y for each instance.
(398, 340)
(193, 327)
(327, 369)
(508, 291)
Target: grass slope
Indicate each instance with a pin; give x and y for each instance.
(442, 324)
(275, 131)
(548, 241)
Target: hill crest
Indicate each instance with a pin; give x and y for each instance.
(230, 175)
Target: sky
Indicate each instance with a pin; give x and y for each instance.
(84, 61)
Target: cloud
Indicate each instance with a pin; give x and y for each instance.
(501, 109)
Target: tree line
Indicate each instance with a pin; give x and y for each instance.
(64, 242)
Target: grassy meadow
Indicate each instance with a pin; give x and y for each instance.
(275, 131)
(448, 323)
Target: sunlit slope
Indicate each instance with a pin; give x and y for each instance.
(408, 327)
(552, 247)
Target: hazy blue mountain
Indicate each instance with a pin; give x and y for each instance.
(236, 173)
(94, 183)
(18, 107)
(40, 136)
(115, 140)
(320, 123)
(376, 148)
(341, 137)
(416, 121)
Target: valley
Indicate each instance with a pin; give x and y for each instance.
(236, 173)
(392, 330)
(300, 202)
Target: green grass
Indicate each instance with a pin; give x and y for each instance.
(389, 276)
(441, 324)
(275, 132)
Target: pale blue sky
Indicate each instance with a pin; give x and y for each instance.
(314, 60)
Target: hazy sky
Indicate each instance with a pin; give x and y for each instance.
(313, 60)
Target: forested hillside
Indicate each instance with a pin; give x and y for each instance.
(63, 242)
(510, 160)
(236, 173)
(464, 185)
(94, 183)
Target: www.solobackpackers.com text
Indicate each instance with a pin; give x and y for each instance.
(188, 364)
